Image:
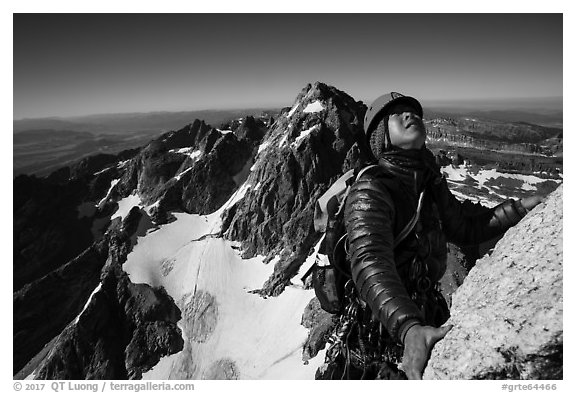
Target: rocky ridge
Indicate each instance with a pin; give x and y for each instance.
(463, 140)
(194, 169)
(510, 147)
(65, 234)
(302, 154)
(508, 313)
(516, 136)
(123, 328)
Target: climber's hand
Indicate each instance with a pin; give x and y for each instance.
(531, 202)
(418, 343)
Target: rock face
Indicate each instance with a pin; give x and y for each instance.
(194, 169)
(495, 135)
(60, 248)
(50, 224)
(123, 329)
(507, 315)
(300, 157)
(321, 324)
(47, 229)
(250, 129)
(44, 307)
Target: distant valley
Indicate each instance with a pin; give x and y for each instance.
(44, 145)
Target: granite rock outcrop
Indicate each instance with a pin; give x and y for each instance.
(508, 313)
(302, 154)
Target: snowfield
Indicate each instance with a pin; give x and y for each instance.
(488, 186)
(229, 332)
(125, 204)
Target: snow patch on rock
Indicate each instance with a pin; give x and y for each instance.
(459, 173)
(125, 204)
(475, 198)
(283, 141)
(148, 209)
(235, 198)
(456, 173)
(179, 176)
(289, 114)
(314, 107)
(303, 135)
(189, 151)
(122, 164)
(262, 147)
(102, 171)
(88, 302)
(112, 184)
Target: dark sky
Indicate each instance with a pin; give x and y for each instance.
(70, 64)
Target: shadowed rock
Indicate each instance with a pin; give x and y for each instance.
(123, 329)
(223, 369)
(200, 315)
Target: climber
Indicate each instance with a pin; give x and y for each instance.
(396, 311)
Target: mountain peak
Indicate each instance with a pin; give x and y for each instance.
(319, 91)
(301, 156)
(251, 129)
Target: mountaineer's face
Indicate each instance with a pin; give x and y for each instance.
(406, 128)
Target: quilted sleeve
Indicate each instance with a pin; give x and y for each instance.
(369, 217)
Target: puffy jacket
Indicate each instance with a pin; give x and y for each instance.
(377, 208)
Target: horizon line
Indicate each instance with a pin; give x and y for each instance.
(429, 101)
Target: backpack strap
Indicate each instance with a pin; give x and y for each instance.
(358, 176)
(405, 232)
(363, 170)
(411, 224)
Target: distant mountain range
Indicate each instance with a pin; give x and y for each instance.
(165, 120)
(552, 119)
(122, 123)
